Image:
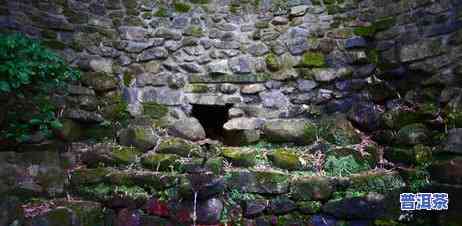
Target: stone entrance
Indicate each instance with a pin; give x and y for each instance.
(212, 118)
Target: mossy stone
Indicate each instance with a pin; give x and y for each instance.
(179, 147)
(376, 181)
(285, 159)
(312, 188)
(160, 162)
(161, 12)
(396, 119)
(309, 207)
(194, 30)
(384, 23)
(89, 176)
(365, 31)
(70, 130)
(272, 62)
(198, 88)
(418, 155)
(413, 134)
(182, 7)
(154, 110)
(240, 157)
(312, 59)
(125, 155)
(88, 213)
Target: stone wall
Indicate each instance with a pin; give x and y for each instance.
(324, 78)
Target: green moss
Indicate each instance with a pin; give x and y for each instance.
(161, 12)
(182, 7)
(373, 56)
(200, 1)
(272, 62)
(89, 176)
(128, 77)
(195, 31)
(309, 207)
(154, 110)
(199, 88)
(160, 162)
(240, 157)
(271, 177)
(179, 147)
(285, 159)
(380, 182)
(125, 155)
(313, 59)
(366, 31)
(118, 110)
(310, 133)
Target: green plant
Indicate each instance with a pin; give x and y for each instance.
(343, 166)
(29, 75)
(182, 7)
(161, 12)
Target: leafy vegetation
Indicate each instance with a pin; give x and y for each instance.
(29, 75)
(343, 166)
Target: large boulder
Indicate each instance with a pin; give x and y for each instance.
(141, 137)
(285, 130)
(188, 128)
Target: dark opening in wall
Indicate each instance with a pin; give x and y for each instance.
(212, 118)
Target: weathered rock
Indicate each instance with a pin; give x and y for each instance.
(421, 50)
(298, 10)
(240, 157)
(132, 33)
(163, 95)
(153, 54)
(99, 81)
(274, 99)
(447, 171)
(370, 206)
(209, 212)
(312, 188)
(188, 128)
(285, 159)
(258, 181)
(252, 89)
(453, 142)
(254, 208)
(110, 155)
(83, 116)
(218, 68)
(285, 130)
(281, 205)
(243, 124)
(160, 162)
(179, 147)
(141, 137)
(240, 65)
(259, 49)
(306, 85)
(413, 134)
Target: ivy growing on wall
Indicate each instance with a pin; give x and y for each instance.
(29, 75)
